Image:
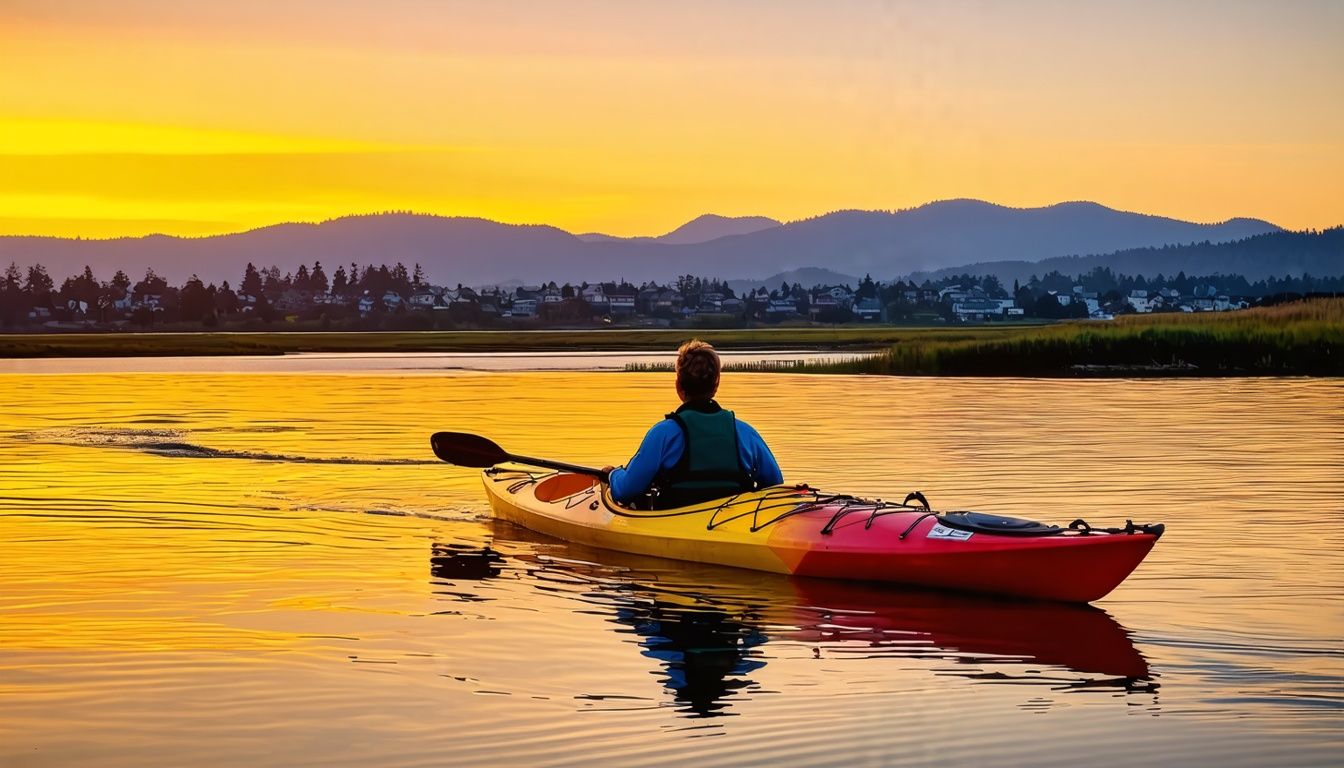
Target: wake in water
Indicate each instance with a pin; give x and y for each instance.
(171, 443)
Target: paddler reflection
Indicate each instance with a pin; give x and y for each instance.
(707, 627)
(705, 655)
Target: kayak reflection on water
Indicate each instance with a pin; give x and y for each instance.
(707, 626)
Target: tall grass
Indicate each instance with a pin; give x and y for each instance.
(1302, 338)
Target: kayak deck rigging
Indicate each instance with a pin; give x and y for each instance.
(803, 499)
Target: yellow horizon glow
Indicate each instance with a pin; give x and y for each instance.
(133, 118)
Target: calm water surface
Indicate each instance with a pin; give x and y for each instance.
(268, 569)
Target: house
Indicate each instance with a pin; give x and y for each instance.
(955, 293)
(621, 301)
(1139, 301)
(781, 307)
(868, 309)
(842, 295)
(667, 301)
(524, 308)
(823, 302)
(425, 297)
(974, 310)
(917, 295)
(367, 303)
(645, 298)
(596, 296)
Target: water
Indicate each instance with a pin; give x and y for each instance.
(268, 568)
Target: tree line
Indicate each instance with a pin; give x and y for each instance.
(29, 291)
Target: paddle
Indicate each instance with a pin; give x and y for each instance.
(468, 450)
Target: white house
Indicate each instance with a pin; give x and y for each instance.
(595, 296)
(976, 309)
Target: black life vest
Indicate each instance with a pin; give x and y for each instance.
(710, 467)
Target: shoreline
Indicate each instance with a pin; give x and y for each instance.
(228, 343)
(1303, 338)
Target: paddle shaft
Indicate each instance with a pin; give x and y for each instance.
(560, 465)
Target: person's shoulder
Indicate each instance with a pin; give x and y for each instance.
(746, 428)
(664, 429)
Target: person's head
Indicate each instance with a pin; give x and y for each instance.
(697, 371)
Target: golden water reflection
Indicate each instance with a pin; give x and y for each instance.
(270, 569)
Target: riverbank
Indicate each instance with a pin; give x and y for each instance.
(1299, 339)
(855, 338)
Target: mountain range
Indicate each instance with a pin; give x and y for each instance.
(1272, 254)
(885, 244)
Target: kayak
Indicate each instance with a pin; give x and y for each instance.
(801, 531)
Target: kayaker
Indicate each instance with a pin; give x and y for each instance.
(725, 456)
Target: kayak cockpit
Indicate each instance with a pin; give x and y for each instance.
(562, 486)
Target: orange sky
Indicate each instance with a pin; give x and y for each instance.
(190, 118)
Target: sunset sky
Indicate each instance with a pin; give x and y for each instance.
(138, 116)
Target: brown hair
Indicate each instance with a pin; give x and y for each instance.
(697, 370)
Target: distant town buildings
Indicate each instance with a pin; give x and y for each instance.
(393, 297)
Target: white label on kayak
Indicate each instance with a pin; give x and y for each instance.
(939, 531)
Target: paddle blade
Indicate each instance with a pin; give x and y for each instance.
(467, 450)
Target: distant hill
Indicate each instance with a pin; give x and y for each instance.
(1274, 254)
(476, 251)
(712, 227)
(701, 229)
(808, 276)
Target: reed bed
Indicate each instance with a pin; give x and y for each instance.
(1301, 338)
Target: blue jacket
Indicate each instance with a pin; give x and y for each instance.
(662, 448)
